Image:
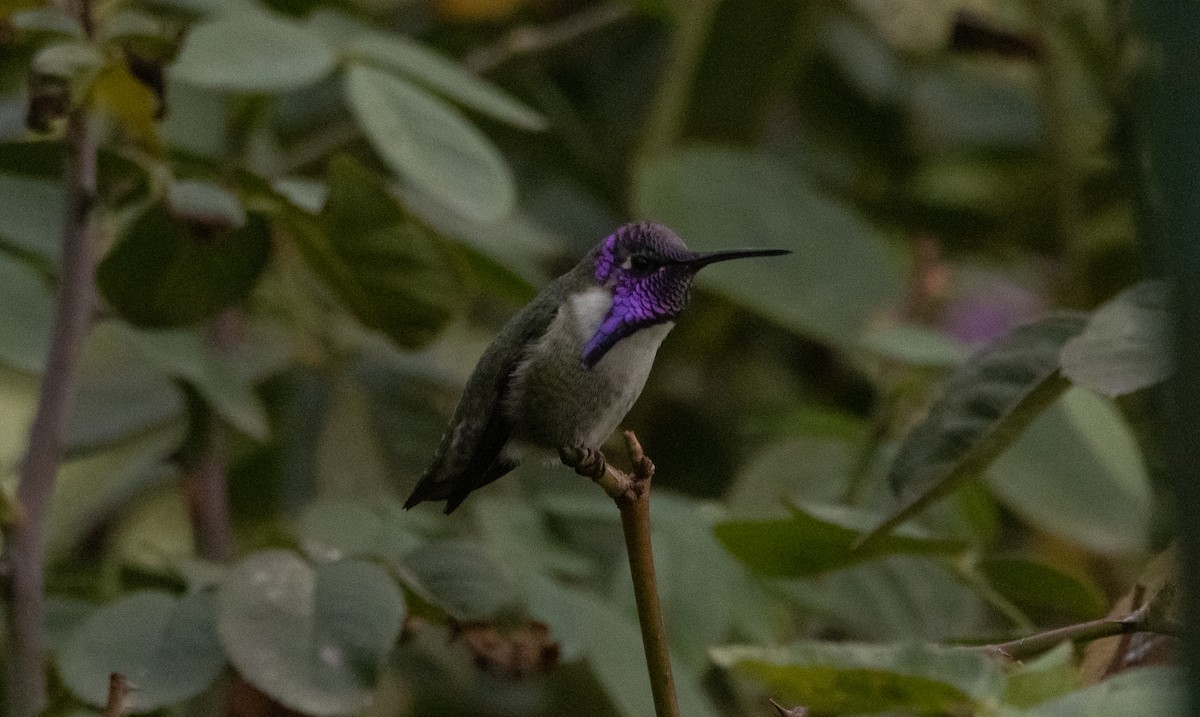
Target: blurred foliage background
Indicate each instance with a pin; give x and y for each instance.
(316, 213)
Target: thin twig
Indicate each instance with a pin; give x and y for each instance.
(206, 477)
(1026, 647)
(118, 696)
(631, 493)
(25, 539)
(533, 39)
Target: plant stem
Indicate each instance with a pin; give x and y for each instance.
(671, 103)
(631, 493)
(25, 542)
(533, 39)
(1026, 647)
(118, 696)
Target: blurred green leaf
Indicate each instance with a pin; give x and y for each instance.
(982, 408)
(431, 145)
(818, 539)
(190, 356)
(915, 345)
(805, 468)
(959, 107)
(92, 487)
(389, 270)
(330, 530)
(1077, 472)
(1037, 587)
(252, 51)
(1124, 347)
(462, 579)
(206, 203)
(168, 272)
(841, 273)
(33, 211)
(26, 315)
(1045, 677)
(68, 60)
(611, 644)
(120, 180)
(120, 393)
(166, 647)
(901, 597)
(442, 75)
(311, 638)
(1146, 692)
(837, 678)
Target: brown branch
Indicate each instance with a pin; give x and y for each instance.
(1026, 647)
(206, 479)
(118, 696)
(532, 39)
(25, 542)
(631, 493)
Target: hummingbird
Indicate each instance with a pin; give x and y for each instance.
(565, 370)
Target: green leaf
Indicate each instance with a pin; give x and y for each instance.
(165, 646)
(1146, 692)
(1034, 586)
(444, 76)
(1124, 347)
(816, 540)
(206, 203)
(391, 272)
(428, 143)
(311, 638)
(982, 408)
(330, 530)
(611, 644)
(1046, 677)
(915, 345)
(121, 394)
(33, 211)
(462, 579)
(837, 678)
(1077, 472)
(68, 60)
(93, 487)
(168, 272)
(253, 51)
(190, 356)
(26, 315)
(840, 275)
(120, 180)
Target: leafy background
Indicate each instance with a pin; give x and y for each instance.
(316, 213)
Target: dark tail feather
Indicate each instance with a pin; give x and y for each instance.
(455, 490)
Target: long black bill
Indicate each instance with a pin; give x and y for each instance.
(712, 257)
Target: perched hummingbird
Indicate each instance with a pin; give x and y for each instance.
(566, 369)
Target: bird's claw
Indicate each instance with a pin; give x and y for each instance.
(587, 462)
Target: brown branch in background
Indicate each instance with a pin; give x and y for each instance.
(532, 39)
(25, 540)
(631, 493)
(206, 472)
(118, 696)
(1026, 647)
(1062, 152)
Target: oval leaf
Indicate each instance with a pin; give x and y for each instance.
(392, 273)
(1124, 347)
(166, 647)
(253, 51)
(1078, 473)
(427, 142)
(444, 76)
(311, 638)
(841, 678)
(716, 198)
(168, 272)
(984, 405)
(26, 315)
(815, 541)
(463, 580)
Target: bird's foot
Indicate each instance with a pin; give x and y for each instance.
(587, 462)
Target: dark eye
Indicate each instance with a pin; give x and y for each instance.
(641, 264)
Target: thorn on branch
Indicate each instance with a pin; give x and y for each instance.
(793, 712)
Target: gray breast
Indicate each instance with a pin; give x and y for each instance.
(553, 401)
